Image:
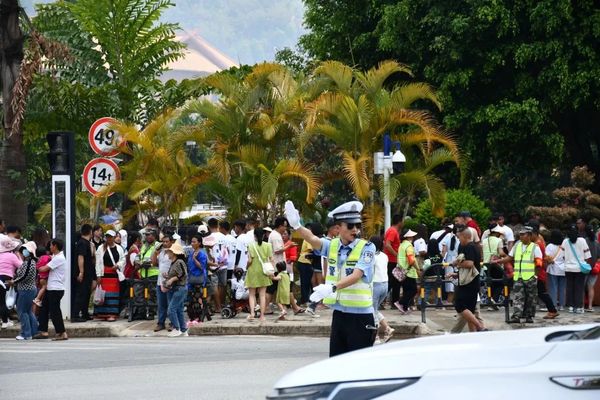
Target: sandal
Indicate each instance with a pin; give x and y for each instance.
(60, 337)
(300, 311)
(250, 319)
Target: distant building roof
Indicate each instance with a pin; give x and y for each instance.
(200, 59)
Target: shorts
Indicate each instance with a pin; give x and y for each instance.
(466, 296)
(449, 286)
(590, 281)
(272, 288)
(221, 277)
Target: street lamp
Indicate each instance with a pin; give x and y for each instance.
(386, 163)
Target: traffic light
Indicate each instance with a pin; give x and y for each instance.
(61, 156)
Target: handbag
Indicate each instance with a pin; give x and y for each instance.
(267, 267)
(399, 274)
(11, 298)
(585, 267)
(99, 296)
(596, 269)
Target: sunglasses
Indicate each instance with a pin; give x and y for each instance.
(352, 225)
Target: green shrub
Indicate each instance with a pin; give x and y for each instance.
(457, 200)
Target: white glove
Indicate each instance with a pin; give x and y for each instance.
(321, 291)
(292, 215)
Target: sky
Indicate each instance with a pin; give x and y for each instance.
(247, 31)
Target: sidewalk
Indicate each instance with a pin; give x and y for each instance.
(406, 326)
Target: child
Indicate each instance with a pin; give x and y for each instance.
(282, 298)
(238, 285)
(43, 259)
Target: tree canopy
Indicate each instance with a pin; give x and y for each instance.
(519, 81)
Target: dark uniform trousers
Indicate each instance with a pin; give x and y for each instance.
(351, 332)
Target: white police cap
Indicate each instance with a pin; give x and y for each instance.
(347, 212)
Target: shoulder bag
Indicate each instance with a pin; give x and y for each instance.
(267, 266)
(585, 267)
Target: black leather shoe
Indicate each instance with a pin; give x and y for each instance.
(529, 320)
(77, 319)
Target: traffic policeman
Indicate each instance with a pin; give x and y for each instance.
(525, 256)
(348, 280)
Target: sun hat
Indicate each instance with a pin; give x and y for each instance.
(266, 228)
(176, 249)
(410, 233)
(202, 228)
(110, 232)
(8, 244)
(31, 247)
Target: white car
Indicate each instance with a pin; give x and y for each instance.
(543, 363)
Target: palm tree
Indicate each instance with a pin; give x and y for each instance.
(159, 175)
(250, 132)
(355, 109)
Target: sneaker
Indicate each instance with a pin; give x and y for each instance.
(589, 309)
(571, 310)
(400, 308)
(543, 309)
(20, 338)
(514, 320)
(7, 324)
(551, 315)
(185, 334)
(174, 333)
(529, 320)
(310, 311)
(561, 308)
(388, 335)
(579, 311)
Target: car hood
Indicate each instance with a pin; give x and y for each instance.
(415, 357)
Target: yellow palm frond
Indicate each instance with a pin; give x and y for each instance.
(373, 218)
(340, 74)
(355, 170)
(372, 81)
(405, 95)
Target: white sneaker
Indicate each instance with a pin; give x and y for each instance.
(7, 324)
(185, 334)
(20, 337)
(579, 311)
(571, 310)
(174, 333)
(589, 309)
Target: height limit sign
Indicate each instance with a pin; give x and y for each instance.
(100, 173)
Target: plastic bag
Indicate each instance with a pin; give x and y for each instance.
(99, 296)
(11, 298)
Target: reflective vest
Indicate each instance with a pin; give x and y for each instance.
(411, 272)
(145, 256)
(359, 295)
(524, 262)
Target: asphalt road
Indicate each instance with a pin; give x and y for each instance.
(226, 367)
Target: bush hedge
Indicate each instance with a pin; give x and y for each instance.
(457, 200)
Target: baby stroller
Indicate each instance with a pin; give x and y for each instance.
(238, 295)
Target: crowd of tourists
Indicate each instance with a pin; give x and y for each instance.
(536, 263)
(255, 268)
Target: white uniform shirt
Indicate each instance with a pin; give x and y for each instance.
(242, 243)
(230, 244)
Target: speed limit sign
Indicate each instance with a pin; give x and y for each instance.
(104, 141)
(99, 173)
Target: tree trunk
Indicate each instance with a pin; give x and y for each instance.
(13, 174)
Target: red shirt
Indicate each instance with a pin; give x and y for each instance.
(393, 236)
(473, 224)
(291, 254)
(541, 271)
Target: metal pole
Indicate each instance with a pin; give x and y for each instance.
(386, 194)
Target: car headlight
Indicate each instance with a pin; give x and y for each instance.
(360, 390)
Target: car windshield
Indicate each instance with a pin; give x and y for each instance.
(586, 334)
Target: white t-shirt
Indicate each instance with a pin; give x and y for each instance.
(451, 254)
(420, 245)
(507, 235)
(217, 249)
(242, 243)
(164, 263)
(581, 249)
(474, 234)
(558, 266)
(230, 244)
(381, 262)
(276, 242)
(435, 235)
(56, 276)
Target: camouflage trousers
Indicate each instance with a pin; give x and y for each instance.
(524, 298)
